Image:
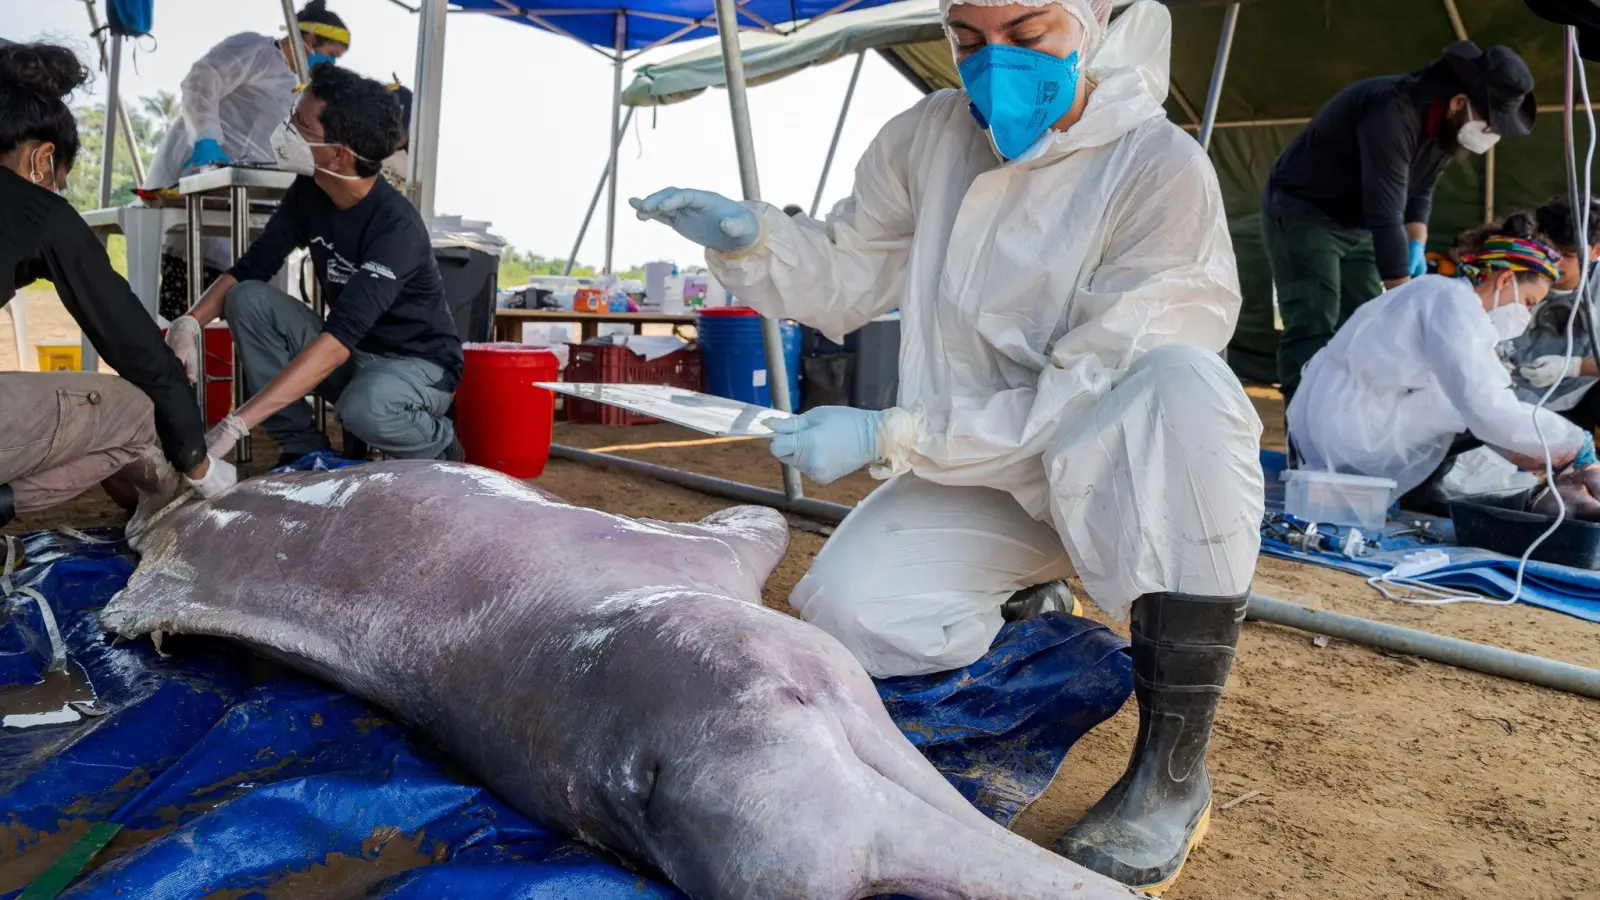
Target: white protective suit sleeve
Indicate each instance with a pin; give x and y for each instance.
(1166, 275)
(1480, 389)
(222, 70)
(835, 277)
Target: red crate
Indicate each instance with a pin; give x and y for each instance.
(610, 364)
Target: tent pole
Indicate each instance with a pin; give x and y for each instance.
(1219, 71)
(108, 155)
(744, 144)
(833, 146)
(123, 121)
(1488, 186)
(425, 116)
(297, 43)
(621, 45)
(599, 188)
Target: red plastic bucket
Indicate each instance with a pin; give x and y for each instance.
(503, 421)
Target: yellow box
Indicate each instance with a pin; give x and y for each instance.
(60, 357)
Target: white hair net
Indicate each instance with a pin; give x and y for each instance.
(1093, 15)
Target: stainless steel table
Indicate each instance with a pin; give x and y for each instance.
(238, 183)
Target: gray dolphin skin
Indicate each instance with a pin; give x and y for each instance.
(616, 679)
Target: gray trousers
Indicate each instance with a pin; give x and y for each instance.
(391, 402)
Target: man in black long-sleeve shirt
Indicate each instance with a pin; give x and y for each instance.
(388, 354)
(62, 433)
(1345, 211)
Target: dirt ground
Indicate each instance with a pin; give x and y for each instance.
(1339, 771)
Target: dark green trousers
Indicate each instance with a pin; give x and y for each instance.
(1322, 274)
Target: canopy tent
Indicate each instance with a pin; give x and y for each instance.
(1257, 109)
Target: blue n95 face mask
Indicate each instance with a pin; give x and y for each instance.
(314, 58)
(1017, 93)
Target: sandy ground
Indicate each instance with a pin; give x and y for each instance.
(1345, 772)
(48, 323)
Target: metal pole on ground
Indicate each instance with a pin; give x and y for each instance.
(108, 155)
(738, 103)
(194, 208)
(833, 146)
(621, 45)
(239, 231)
(599, 188)
(297, 44)
(425, 114)
(1219, 71)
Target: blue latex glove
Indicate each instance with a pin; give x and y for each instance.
(707, 218)
(1419, 259)
(1585, 455)
(828, 442)
(206, 153)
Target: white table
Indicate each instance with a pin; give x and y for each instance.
(238, 183)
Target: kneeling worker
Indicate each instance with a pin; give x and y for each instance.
(1061, 261)
(62, 433)
(388, 356)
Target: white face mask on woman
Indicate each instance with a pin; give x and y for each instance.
(1510, 319)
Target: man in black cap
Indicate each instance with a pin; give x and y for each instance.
(1345, 211)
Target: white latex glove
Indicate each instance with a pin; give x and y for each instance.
(1547, 370)
(183, 337)
(224, 435)
(220, 476)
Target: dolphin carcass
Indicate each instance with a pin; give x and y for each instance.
(616, 679)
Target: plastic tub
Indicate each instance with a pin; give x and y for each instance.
(1333, 498)
(502, 420)
(736, 359)
(1500, 521)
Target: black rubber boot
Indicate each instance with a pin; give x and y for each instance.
(1041, 598)
(1142, 830)
(8, 505)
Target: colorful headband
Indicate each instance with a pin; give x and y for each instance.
(1514, 254)
(331, 32)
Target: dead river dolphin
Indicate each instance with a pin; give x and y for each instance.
(616, 679)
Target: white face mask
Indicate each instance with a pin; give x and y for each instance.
(1511, 319)
(1475, 136)
(293, 152)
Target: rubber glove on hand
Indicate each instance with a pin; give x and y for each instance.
(224, 435)
(1547, 370)
(183, 338)
(1585, 455)
(220, 475)
(207, 152)
(1419, 259)
(707, 218)
(828, 442)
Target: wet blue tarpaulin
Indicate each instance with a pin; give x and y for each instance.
(227, 774)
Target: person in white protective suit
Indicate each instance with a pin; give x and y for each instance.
(232, 99)
(1066, 282)
(1414, 376)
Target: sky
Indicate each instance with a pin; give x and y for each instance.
(526, 112)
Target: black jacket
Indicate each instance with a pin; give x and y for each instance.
(43, 237)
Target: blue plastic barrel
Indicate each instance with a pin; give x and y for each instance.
(735, 360)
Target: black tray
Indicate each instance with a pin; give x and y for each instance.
(1500, 521)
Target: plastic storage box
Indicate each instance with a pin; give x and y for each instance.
(1333, 498)
(615, 364)
(1500, 521)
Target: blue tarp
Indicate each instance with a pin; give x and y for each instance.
(229, 774)
(1565, 589)
(653, 21)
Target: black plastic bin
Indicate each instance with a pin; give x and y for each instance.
(1500, 521)
(471, 280)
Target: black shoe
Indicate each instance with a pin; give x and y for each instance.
(454, 452)
(1029, 602)
(1141, 832)
(8, 505)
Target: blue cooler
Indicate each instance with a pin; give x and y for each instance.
(736, 361)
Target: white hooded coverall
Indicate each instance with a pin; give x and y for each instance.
(1062, 316)
(236, 95)
(1409, 372)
